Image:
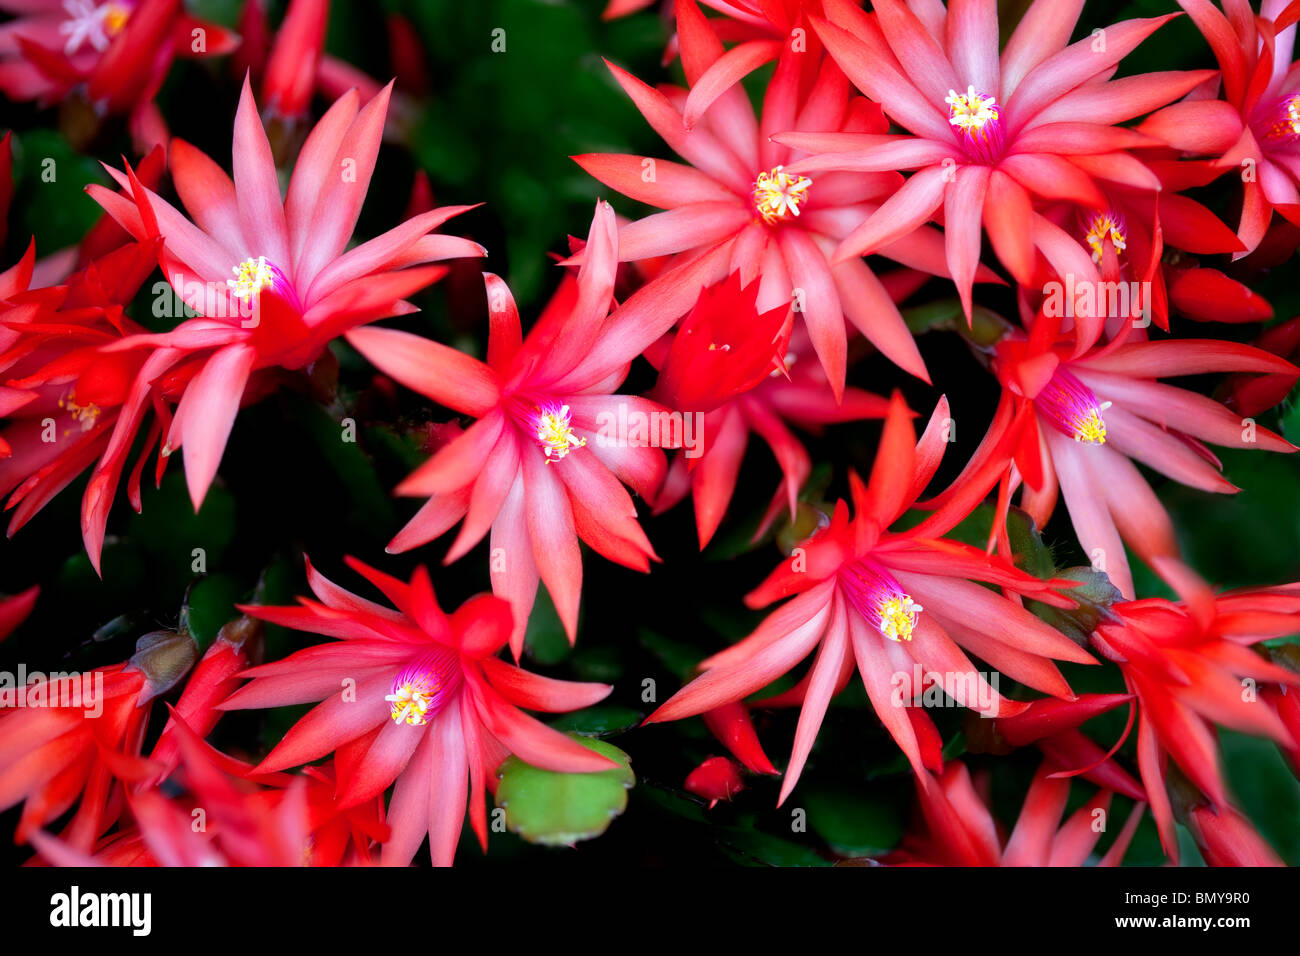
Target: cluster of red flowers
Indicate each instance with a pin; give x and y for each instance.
(889, 144)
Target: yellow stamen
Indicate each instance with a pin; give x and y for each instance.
(898, 617)
(1090, 428)
(85, 415)
(555, 432)
(115, 18)
(971, 111)
(777, 194)
(412, 700)
(1105, 226)
(251, 277)
(1286, 124)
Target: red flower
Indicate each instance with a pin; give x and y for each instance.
(1126, 238)
(992, 135)
(799, 395)
(215, 677)
(414, 697)
(222, 817)
(295, 288)
(893, 603)
(1226, 838)
(716, 779)
(73, 739)
(739, 207)
(1074, 426)
(119, 49)
(1051, 724)
(734, 728)
(1257, 123)
(540, 467)
(57, 372)
(723, 348)
(290, 75)
(960, 830)
(1186, 663)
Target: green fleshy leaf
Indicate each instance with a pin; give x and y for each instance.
(560, 809)
(603, 665)
(1094, 596)
(209, 606)
(368, 500)
(851, 824)
(544, 640)
(676, 656)
(180, 542)
(1030, 553)
(752, 847)
(603, 720)
(57, 211)
(1264, 782)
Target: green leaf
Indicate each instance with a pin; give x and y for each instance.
(559, 809)
(1093, 597)
(603, 665)
(1264, 783)
(974, 528)
(940, 314)
(176, 538)
(751, 847)
(851, 824)
(545, 640)
(368, 500)
(209, 606)
(52, 202)
(603, 720)
(676, 656)
(1030, 553)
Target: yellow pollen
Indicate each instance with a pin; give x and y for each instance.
(251, 277)
(1105, 226)
(555, 433)
(411, 702)
(777, 194)
(970, 111)
(85, 415)
(898, 617)
(115, 18)
(1287, 123)
(1090, 428)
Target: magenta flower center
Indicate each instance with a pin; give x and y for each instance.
(978, 120)
(90, 23)
(880, 599)
(1072, 408)
(423, 688)
(778, 195)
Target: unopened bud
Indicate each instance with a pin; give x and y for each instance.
(718, 778)
(807, 521)
(164, 657)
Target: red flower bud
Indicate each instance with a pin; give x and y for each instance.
(718, 778)
(724, 348)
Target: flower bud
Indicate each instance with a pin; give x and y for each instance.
(164, 657)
